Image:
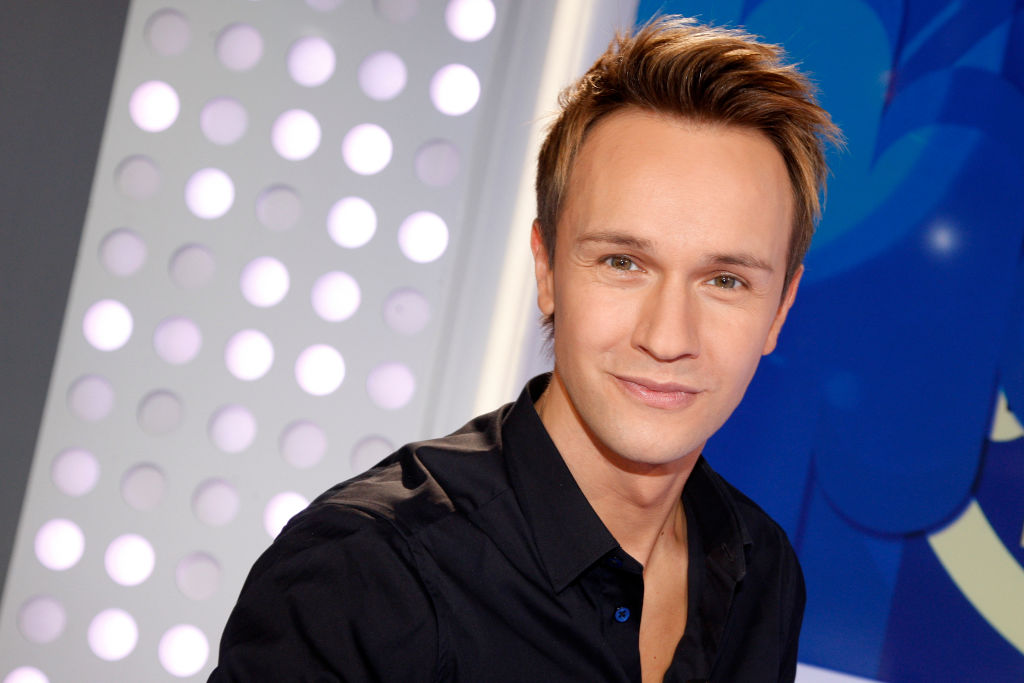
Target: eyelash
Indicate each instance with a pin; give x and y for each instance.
(609, 261)
(737, 283)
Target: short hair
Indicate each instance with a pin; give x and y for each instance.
(673, 65)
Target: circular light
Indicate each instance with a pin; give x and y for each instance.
(249, 355)
(160, 412)
(406, 311)
(423, 237)
(391, 385)
(26, 674)
(454, 89)
(107, 325)
(336, 296)
(168, 33)
(280, 509)
(59, 544)
(351, 222)
(239, 47)
(367, 149)
(154, 106)
(232, 429)
(198, 576)
(369, 452)
(437, 163)
(122, 252)
(279, 208)
(137, 178)
(91, 398)
(470, 20)
(177, 340)
(295, 134)
(311, 61)
(223, 120)
(264, 282)
(303, 444)
(113, 634)
(209, 193)
(129, 559)
(192, 266)
(75, 471)
(215, 502)
(183, 650)
(320, 370)
(42, 619)
(382, 75)
(142, 487)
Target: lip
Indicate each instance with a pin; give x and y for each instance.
(664, 395)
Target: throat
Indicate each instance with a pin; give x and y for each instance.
(666, 601)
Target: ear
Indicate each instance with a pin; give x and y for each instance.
(780, 315)
(542, 271)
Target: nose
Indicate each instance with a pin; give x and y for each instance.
(668, 327)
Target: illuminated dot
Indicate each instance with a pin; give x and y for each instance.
(198, 576)
(209, 193)
(160, 412)
(91, 398)
(336, 296)
(107, 325)
(397, 11)
(177, 340)
(167, 33)
(303, 444)
(367, 149)
(154, 106)
(295, 134)
(279, 208)
(264, 282)
(943, 239)
(423, 237)
(249, 355)
(42, 619)
(232, 429)
(391, 385)
(137, 178)
(183, 650)
(437, 163)
(311, 61)
(122, 252)
(129, 559)
(26, 674)
(75, 471)
(320, 370)
(351, 222)
(454, 89)
(59, 544)
(406, 311)
(215, 502)
(223, 120)
(280, 509)
(470, 20)
(370, 451)
(113, 634)
(142, 487)
(239, 47)
(382, 75)
(192, 266)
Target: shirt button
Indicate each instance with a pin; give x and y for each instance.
(615, 561)
(622, 614)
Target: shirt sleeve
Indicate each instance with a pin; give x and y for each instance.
(337, 597)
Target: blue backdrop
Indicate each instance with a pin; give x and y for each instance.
(868, 431)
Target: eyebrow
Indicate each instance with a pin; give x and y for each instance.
(742, 260)
(617, 238)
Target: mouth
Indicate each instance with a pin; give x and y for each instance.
(664, 395)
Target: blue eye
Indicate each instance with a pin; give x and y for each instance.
(620, 262)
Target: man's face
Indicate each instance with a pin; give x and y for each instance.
(666, 284)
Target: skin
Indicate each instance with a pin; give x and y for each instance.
(667, 287)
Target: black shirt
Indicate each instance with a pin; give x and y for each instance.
(476, 557)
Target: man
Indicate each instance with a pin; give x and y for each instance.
(577, 534)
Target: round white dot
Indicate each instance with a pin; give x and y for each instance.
(59, 544)
(336, 296)
(122, 252)
(454, 89)
(91, 398)
(423, 237)
(75, 471)
(209, 193)
(183, 650)
(129, 559)
(278, 208)
(168, 33)
(351, 222)
(397, 11)
(160, 412)
(311, 61)
(370, 451)
(391, 385)
(470, 20)
(264, 282)
(232, 429)
(367, 149)
(113, 634)
(107, 325)
(437, 163)
(26, 674)
(198, 576)
(406, 311)
(42, 619)
(320, 369)
(137, 177)
(303, 444)
(223, 120)
(249, 355)
(192, 266)
(295, 134)
(142, 487)
(239, 47)
(177, 340)
(215, 502)
(280, 509)
(154, 106)
(382, 75)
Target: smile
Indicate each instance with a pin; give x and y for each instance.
(664, 395)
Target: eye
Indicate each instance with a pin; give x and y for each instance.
(620, 262)
(726, 281)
